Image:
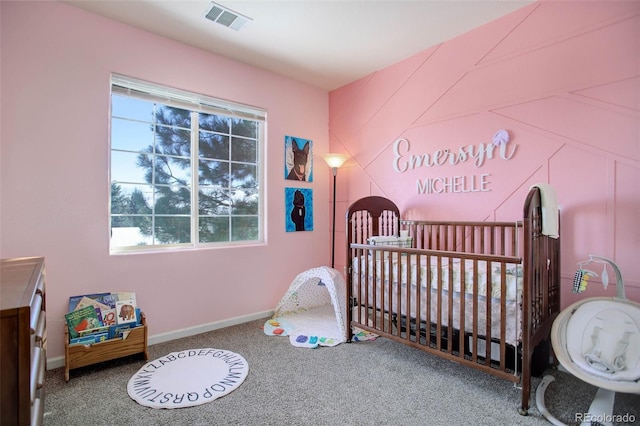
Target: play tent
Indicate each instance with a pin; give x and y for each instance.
(313, 310)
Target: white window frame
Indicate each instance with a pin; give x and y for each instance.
(132, 87)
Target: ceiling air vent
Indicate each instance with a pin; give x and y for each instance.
(227, 17)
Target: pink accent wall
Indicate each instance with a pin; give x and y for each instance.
(563, 78)
(56, 62)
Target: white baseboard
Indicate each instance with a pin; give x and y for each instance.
(57, 362)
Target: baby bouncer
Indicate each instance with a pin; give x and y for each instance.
(598, 341)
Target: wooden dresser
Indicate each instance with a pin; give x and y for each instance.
(23, 341)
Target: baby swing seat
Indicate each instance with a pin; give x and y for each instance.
(598, 341)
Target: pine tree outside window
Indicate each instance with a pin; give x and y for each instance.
(185, 171)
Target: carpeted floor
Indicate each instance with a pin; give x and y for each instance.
(367, 383)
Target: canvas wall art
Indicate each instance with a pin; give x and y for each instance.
(298, 164)
(298, 209)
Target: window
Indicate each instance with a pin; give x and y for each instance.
(186, 169)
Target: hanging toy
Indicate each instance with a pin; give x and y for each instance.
(584, 282)
(581, 279)
(582, 276)
(577, 279)
(605, 276)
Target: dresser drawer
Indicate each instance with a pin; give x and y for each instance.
(41, 331)
(37, 401)
(37, 370)
(37, 409)
(36, 312)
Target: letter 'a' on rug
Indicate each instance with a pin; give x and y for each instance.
(188, 378)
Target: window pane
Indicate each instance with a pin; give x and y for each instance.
(132, 108)
(172, 170)
(129, 167)
(172, 230)
(244, 228)
(131, 135)
(173, 141)
(246, 202)
(244, 150)
(214, 229)
(214, 123)
(131, 199)
(125, 233)
(212, 145)
(214, 173)
(243, 176)
(173, 117)
(248, 128)
(172, 200)
(213, 201)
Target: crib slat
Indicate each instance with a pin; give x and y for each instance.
(463, 308)
(450, 293)
(503, 313)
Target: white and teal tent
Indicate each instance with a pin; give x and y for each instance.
(313, 311)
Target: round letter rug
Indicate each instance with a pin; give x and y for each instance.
(188, 378)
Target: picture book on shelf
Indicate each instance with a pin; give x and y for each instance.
(89, 339)
(118, 331)
(82, 319)
(87, 301)
(102, 298)
(97, 330)
(109, 316)
(125, 295)
(126, 311)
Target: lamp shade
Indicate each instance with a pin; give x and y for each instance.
(335, 160)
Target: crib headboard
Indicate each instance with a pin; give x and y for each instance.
(371, 216)
(541, 268)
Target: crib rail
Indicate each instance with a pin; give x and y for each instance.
(502, 238)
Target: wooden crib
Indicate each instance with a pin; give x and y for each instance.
(482, 294)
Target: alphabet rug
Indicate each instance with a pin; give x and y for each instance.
(188, 378)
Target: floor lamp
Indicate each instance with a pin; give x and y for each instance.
(335, 161)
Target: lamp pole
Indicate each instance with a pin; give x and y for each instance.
(333, 226)
(335, 161)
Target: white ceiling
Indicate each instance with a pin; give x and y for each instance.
(323, 43)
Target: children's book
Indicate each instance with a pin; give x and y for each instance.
(87, 301)
(82, 319)
(117, 331)
(109, 316)
(89, 331)
(89, 339)
(126, 311)
(85, 340)
(108, 299)
(74, 300)
(124, 295)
